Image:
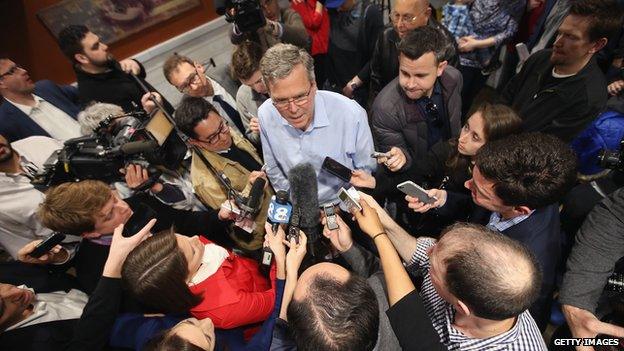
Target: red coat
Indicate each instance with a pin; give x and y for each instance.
(316, 24)
(236, 294)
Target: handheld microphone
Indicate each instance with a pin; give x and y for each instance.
(304, 196)
(251, 206)
(279, 213)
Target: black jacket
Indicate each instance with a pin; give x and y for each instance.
(392, 126)
(384, 65)
(90, 332)
(342, 66)
(114, 87)
(562, 110)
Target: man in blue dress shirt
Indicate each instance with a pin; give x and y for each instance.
(300, 123)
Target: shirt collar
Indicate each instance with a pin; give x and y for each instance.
(498, 223)
(25, 108)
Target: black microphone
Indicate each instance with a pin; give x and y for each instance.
(252, 205)
(304, 196)
(133, 147)
(279, 213)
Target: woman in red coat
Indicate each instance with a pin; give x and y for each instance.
(178, 274)
(316, 21)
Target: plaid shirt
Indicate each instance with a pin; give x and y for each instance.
(523, 336)
(456, 18)
(498, 224)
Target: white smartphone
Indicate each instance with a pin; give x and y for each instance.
(414, 190)
(349, 201)
(523, 51)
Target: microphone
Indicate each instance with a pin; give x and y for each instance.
(304, 196)
(279, 210)
(133, 147)
(279, 213)
(252, 205)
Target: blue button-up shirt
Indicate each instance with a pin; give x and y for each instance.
(339, 130)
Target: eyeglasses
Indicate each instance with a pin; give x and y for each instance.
(432, 112)
(409, 19)
(190, 80)
(11, 71)
(300, 100)
(214, 137)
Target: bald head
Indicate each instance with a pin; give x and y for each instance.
(321, 313)
(495, 276)
(409, 14)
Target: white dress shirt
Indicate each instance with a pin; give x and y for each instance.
(51, 119)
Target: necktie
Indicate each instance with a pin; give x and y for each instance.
(231, 112)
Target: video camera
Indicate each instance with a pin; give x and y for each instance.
(246, 14)
(612, 159)
(117, 141)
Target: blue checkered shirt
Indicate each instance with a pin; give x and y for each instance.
(456, 18)
(523, 336)
(498, 224)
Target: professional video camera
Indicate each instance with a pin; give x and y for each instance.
(246, 14)
(612, 159)
(117, 141)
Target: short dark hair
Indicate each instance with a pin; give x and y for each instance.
(155, 272)
(191, 111)
(528, 169)
(70, 40)
(345, 319)
(421, 41)
(605, 17)
(495, 276)
(246, 59)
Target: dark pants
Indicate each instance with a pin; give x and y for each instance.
(474, 81)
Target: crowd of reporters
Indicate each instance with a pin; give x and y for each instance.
(225, 223)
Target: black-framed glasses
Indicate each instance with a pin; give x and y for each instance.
(190, 80)
(214, 137)
(431, 109)
(11, 71)
(300, 100)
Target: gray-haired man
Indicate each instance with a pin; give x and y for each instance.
(303, 124)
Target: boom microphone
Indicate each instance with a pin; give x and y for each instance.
(304, 196)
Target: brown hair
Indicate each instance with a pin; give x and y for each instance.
(246, 60)
(71, 208)
(168, 341)
(155, 272)
(172, 64)
(499, 121)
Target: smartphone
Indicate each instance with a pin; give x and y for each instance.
(337, 169)
(47, 244)
(350, 201)
(142, 214)
(380, 154)
(414, 190)
(523, 51)
(330, 215)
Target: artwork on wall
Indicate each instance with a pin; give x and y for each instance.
(112, 20)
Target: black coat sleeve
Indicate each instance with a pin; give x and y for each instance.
(95, 324)
(412, 326)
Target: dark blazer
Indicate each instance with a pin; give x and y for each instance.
(15, 125)
(90, 332)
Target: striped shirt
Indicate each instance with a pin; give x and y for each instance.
(499, 224)
(523, 336)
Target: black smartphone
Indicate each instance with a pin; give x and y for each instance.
(142, 214)
(330, 215)
(47, 244)
(337, 169)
